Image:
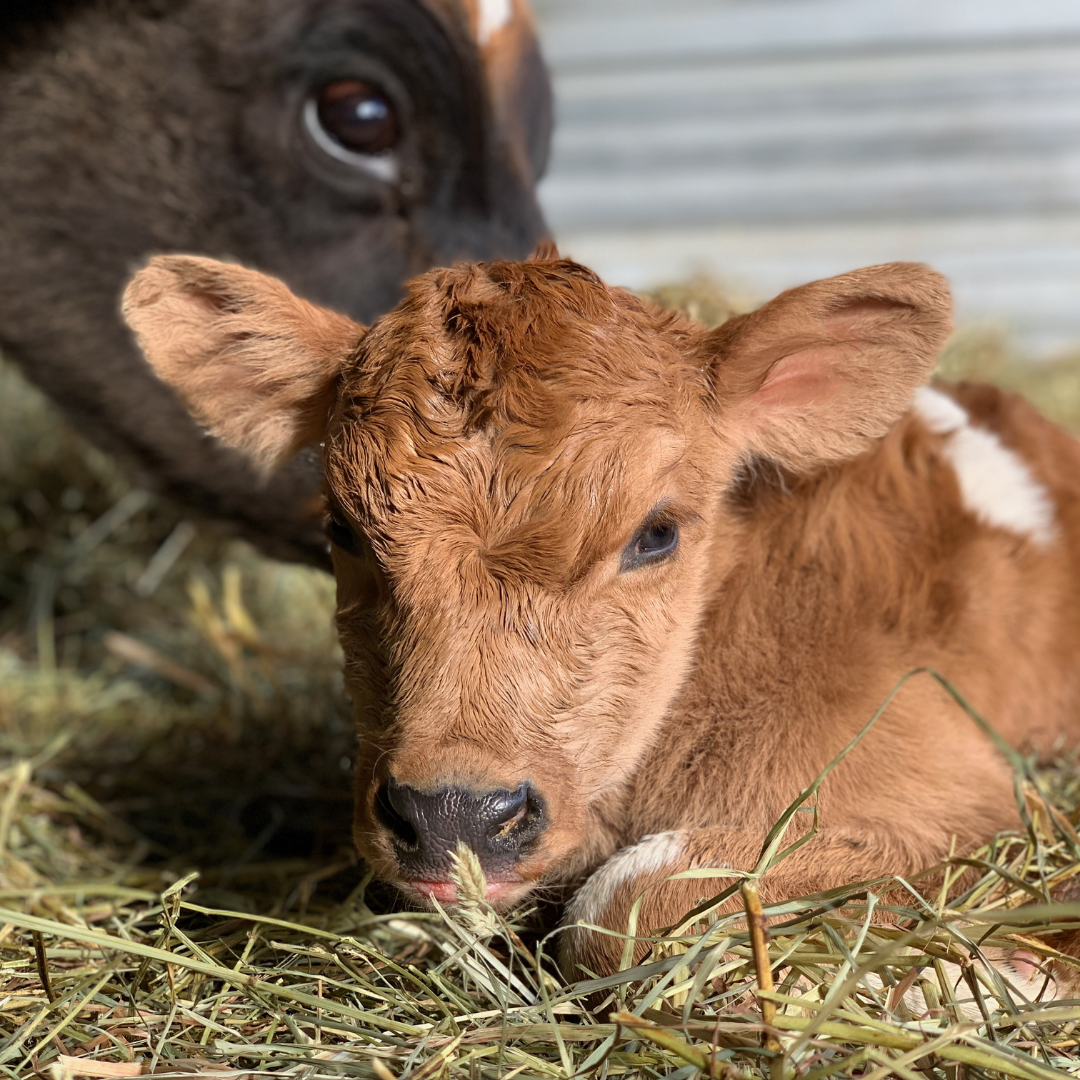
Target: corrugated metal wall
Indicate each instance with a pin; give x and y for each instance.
(772, 141)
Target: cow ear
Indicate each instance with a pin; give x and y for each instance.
(817, 373)
(256, 365)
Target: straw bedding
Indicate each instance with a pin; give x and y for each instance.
(178, 895)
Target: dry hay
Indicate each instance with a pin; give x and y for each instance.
(170, 705)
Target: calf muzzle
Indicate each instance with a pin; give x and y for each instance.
(427, 826)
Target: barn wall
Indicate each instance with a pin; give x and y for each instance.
(772, 141)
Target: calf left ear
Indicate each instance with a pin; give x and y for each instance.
(817, 373)
(256, 365)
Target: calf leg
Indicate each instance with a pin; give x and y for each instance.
(607, 897)
(823, 863)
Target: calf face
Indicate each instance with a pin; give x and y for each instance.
(524, 471)
(343, 144)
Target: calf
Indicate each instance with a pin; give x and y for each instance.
(613, 589)
(344, 144)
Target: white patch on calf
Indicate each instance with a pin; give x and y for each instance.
(938, 411)
(995, 483)
(646, 857)
(491, 17)
(998, 486)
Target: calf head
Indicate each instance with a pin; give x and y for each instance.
(524, 472)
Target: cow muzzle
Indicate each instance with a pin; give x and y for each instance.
(426, 828)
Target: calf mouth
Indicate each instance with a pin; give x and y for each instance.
(499, 894)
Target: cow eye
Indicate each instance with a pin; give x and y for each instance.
(357, 115)
(343, 536)
(356, 122)
(655, 541)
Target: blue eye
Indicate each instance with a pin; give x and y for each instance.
(655, 541)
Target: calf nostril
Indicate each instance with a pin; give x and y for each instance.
(392, 816)
(505, 807)
(513, 818)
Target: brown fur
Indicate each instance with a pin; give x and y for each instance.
(498, 439)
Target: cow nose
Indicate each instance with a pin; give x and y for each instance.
(427, 826)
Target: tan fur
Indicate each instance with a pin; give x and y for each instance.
(254, 363)
(497, 441)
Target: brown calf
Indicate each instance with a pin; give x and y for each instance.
(614, 589)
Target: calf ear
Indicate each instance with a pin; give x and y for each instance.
(818, 372)
(256, 365)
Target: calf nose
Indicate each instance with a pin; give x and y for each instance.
(428, 826)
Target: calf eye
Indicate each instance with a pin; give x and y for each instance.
(343, 536)
(357, 115)
(655, 541)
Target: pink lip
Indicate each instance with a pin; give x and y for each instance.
(446, 891)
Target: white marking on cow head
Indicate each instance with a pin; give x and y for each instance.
(995, 483)
(491, 17)
(650, 855)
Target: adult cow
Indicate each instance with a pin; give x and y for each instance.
(344, 145)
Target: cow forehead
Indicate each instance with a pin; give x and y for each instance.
(528, 359)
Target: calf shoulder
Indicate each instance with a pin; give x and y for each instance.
(827, 590)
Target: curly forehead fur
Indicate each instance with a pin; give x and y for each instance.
(491, 383)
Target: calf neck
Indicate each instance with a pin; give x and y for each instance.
(612, 589)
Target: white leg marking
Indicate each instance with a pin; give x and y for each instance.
(491, 17)
(996, 484)
(649, 855)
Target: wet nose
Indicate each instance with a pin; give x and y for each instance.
(427, 826)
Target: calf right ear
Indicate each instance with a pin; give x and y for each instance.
(256, 365)
(822, 370)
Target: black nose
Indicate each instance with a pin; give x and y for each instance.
(428, 826)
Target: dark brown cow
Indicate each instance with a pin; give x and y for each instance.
(613, 589)
(343, 144)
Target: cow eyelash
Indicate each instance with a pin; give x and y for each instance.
(342, 535)
(655, 542)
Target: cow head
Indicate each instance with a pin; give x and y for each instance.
(344, 145)
(524, 473)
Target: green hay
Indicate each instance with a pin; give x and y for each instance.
(165, 716)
